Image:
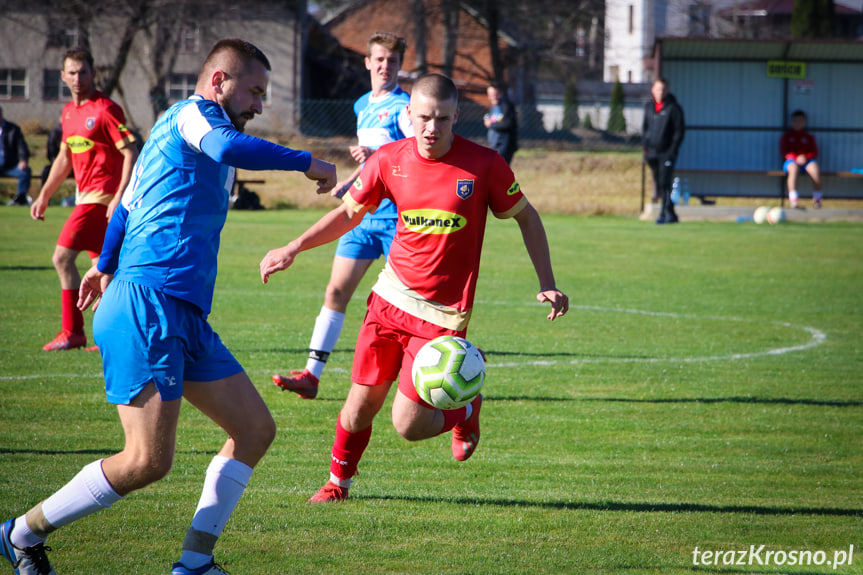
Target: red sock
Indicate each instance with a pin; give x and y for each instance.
(348, 450)
(452, 417)
(73, 318)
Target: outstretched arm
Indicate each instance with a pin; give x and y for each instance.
(330, 227)
(536, 242)
(226, 145)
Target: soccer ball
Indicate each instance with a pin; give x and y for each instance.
(776, 215)
(760, 215)
(448, 372)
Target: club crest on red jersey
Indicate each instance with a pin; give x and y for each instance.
(91, 123)
(464, 188)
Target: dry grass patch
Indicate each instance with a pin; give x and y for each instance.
(555, 181)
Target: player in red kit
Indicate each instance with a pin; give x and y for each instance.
(800, 153)
(443, 186)
(101, 150)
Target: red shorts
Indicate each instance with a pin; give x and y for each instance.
(85, 229)
(387, 344)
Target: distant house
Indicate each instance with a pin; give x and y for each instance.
(771, 19)
(163, 60)
(472, 66)
(633, 26)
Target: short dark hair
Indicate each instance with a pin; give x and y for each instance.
(245, 50)
(389, 41)
(437, 86)
(798, 114)
(79, 54)
(662, 80)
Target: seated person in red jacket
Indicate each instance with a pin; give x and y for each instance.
(799, 152)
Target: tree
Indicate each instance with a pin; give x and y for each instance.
(570, 106)
(565, 38)
(616, 120)
(450, 13)
(492, 15)
(419, 14)
(812, 19)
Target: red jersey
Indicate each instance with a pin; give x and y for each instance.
(94, 132)
(796, 142)
(433, 264)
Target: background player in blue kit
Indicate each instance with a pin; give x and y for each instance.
(381, 118)
(151, 322)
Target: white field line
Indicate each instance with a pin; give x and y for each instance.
(817, 338)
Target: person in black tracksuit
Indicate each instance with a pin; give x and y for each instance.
(502, 122)
(662, 134)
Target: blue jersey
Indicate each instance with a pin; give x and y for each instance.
(178, 198)
(380, 121)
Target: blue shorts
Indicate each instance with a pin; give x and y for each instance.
(369, 240)
(145, 335)
(788, 162)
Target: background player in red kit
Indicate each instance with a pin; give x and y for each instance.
(800, 153)
(443, 186)
(102, 151)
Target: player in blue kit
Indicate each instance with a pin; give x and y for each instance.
(381, 118)
(156, 276)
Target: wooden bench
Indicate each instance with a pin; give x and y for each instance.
(767, 173)
(764, 192)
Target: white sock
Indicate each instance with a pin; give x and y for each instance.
(22, 536)
(346, 483)
(224, 485)
(792, 196)
(328, 328)
(817, 196)
(88, 492)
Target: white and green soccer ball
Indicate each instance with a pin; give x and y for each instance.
(448, 372)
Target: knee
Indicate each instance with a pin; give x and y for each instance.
(409, 429)
(258, 437)
(61, 260)
(148, 468)
(416, 424)
(266, 432)
(336, 295)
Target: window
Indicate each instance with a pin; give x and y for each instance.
(181, 86)
(13, 83)
(631, 19)
(699, 20)
(53, 87)
(61, 34)
(580, 42)
(190, 39)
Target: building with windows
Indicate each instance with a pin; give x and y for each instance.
(633, 26)
(147, 62)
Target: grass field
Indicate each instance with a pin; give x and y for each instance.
(704, 392)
